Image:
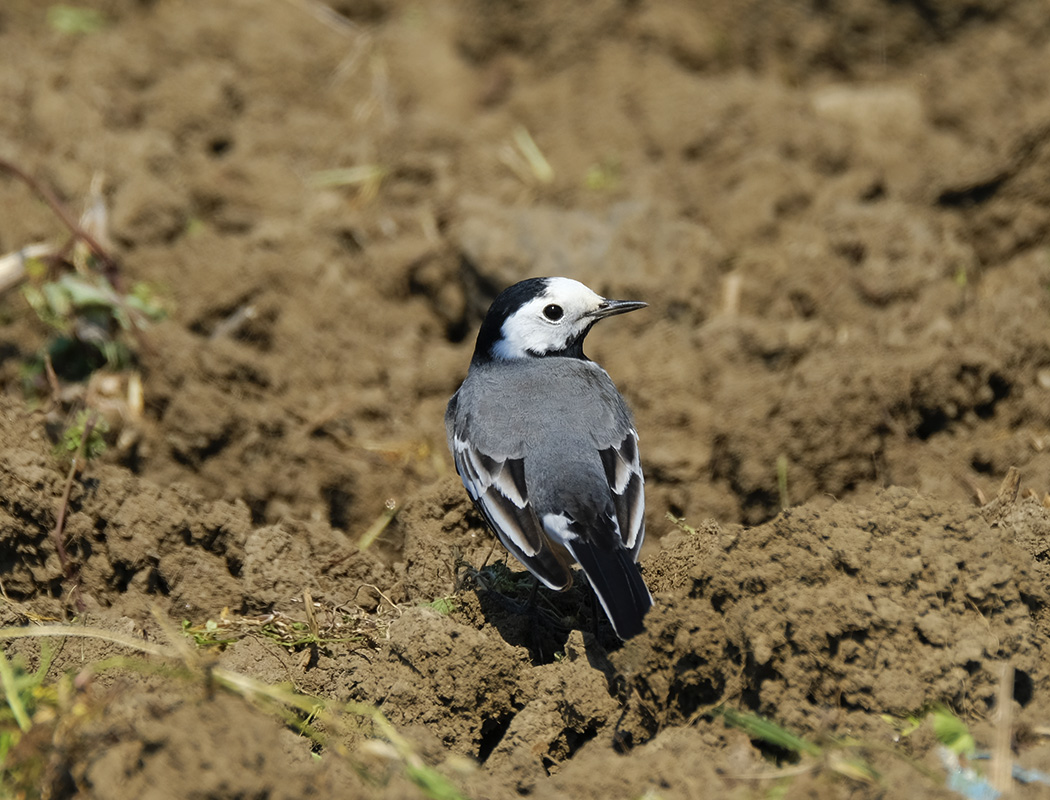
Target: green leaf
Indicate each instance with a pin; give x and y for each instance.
(73, 436)
(952, 732)
(443, 605)
(83, 293)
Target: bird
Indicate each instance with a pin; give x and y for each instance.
(547, 448)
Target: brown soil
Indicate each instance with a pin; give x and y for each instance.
(838, 213)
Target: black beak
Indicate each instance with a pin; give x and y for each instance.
(609, 308)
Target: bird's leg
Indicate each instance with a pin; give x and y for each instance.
(530, 604)
(492, 550)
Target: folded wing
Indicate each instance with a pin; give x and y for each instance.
(623, 470)
(497, 487)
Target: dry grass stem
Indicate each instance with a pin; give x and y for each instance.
(1001, 770)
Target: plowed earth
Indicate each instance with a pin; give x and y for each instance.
(838, 213)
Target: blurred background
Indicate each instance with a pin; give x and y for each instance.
(838, 213)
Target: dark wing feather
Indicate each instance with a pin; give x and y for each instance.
(623, 471)
(498, 489)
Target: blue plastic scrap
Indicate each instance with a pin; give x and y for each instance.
(967, 782)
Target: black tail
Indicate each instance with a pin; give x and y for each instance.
(617, 582)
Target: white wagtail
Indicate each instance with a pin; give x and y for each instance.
(546, 446)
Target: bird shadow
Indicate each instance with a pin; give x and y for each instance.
(543, 625)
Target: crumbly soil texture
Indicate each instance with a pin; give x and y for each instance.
(838, 214)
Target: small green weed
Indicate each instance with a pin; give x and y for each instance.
(443, 605)
(91, 322)
(25, 693)
(680, 523)
(326, 723)
(72, 21)
(767, 731)
(603, 176)
(952, 732)
(839, 757)
(208, 635)
(947, 727)
(76, 289)
(86, 423)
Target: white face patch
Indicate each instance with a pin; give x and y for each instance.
(550, 322)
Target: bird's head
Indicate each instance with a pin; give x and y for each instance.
(543, 317)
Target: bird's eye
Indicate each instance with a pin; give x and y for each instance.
(553, 312)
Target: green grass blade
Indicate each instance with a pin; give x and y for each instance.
(14, 700)
(759, 728)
